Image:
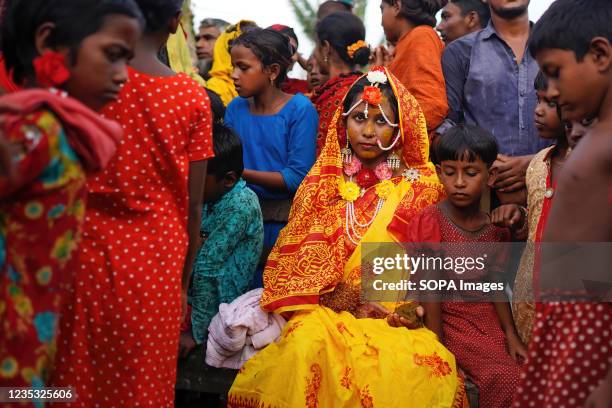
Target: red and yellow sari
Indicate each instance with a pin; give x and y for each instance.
(327, 99)
(326, 357)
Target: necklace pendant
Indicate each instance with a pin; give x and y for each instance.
(411, 175)
(549, 193)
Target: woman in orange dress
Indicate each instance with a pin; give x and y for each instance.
(417, 62)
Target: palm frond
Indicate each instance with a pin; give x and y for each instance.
(306, 15)
(359, 8)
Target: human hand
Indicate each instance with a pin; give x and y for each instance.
(183, 305)
(302, 61)
(601, 397)
(511, 172)
(516, 348)
(380, 56)
(395, 320)
(186, 344)
(508, 216)
(371, 310)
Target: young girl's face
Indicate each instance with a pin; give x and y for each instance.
(464, 181)
(100, 69)
(249, 76)
(363, 132)
(547, 119)
(576, 129)
(389, 21)
(315, 76)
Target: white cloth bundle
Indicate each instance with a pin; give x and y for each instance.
(240, 330)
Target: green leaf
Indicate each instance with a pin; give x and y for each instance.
(306, 13)
(359, 8)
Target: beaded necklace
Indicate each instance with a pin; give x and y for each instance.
(351, 190)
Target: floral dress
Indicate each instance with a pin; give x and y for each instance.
(40, 226)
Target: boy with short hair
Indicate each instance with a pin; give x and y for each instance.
(232, 233)
(462, 17)
(571, 351)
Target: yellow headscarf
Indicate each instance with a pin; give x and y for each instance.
(220, 74)
(179, 55)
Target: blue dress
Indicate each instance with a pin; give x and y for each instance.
(284, 142)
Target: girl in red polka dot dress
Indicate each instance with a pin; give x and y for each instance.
(477, 328)
(119, 340)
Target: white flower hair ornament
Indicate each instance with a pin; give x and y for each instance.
(377, 77)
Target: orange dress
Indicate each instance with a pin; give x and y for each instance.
(118, 343)
(418, 66)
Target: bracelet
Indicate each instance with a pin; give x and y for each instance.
(525, 212)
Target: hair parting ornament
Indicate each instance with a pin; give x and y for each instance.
(372, 95)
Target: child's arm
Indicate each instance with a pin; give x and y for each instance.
(511, 216)
(516, 348)
(197, 176)
(271, 180)
(186, 343)
(433, 318)
(601, 397)
(496, 273)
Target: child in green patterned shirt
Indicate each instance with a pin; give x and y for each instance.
(232, 232)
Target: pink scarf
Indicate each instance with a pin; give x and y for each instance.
(93, 138)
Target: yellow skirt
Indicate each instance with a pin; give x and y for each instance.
(326, 359)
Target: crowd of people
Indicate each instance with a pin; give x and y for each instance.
(152, 203)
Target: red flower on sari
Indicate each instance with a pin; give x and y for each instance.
(439, 367)
(372, 95)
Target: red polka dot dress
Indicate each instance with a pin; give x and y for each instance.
(569, 355)
(118, 343)
(472, 330)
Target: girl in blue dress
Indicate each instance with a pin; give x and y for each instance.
(278, 130)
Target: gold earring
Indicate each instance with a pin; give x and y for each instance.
(346, 152)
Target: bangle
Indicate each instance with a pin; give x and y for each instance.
(525, 212)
